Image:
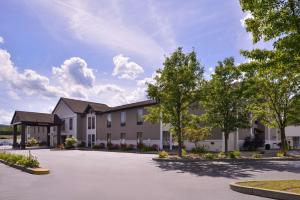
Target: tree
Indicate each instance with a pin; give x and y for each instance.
(197, 134)
(175, 89)
(274, 73)
(275, 89)
(223, 100)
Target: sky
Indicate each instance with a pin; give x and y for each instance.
(106, 51)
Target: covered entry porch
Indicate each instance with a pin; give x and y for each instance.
(24, 119)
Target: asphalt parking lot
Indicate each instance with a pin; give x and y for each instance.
(108, 175)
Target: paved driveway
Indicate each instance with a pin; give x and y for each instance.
(105, 175)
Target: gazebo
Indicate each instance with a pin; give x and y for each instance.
(23, 119)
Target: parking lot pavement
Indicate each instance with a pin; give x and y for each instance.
(107, 175)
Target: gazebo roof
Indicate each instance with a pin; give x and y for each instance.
(34, 118)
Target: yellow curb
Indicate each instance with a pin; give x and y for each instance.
(39, 171)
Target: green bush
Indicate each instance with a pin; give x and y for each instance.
(70, 142)
(184, 152)
(221, 155)
(199, 150)
(256, 156)
(25, 161)
(234, 154)
(209, 156)
(280, 154)
(163, 154)
(32, 142)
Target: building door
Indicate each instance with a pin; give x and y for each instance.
(91, 140)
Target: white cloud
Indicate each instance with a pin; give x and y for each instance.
(248, 15)
(126, 69)
(1, 40)
(5, 116)
(76, 71)
(13, 95)
(29, 82)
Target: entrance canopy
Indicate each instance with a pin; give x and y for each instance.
(24, 119)
(35, 119)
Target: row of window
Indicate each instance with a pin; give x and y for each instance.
(140, 118)
(139, 137)
(91, 122)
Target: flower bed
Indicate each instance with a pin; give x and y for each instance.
(21, 160)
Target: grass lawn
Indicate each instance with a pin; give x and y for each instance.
(281, 185)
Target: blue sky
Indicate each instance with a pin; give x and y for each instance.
(105, 51)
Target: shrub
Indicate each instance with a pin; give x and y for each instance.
(234, 154)
(154, 147)
(99, 146)
(221, 155)
(199, 150)
(256, 156)
(25, 161)
(130, 147)
(111, 146)
(280, 154)
(81, 144)
(163, 154)
(61, 146)
(70, 142)
(32, 142)
(144, 148)
(184, 152)
(209, 156)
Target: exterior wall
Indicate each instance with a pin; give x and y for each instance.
(39, 133)
(293, 136)
(151, 132)
(65, 113)
(81, 127)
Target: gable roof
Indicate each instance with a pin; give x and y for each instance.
(79, 106)
(133, 105)
(34, 117)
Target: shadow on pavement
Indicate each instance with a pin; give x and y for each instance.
(229, 169)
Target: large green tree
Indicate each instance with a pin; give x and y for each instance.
(223, 100)
(273, 75)
(175, 88)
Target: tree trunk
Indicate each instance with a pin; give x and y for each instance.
(283, 146)
(226, 142)
(179, 143)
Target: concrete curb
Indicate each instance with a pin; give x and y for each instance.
(35, 171)
(223, 159)
(274, 194)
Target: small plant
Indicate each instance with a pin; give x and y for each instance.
(32, 142)
(163, 154)
(221, 155)
(209, 156)
(184, 152)
(22, 160)
(99, 146)
(81, 144)
(61, 147)
(70, 142)
(256, 156)
(199, 150)
(280, 154)
(234, 154)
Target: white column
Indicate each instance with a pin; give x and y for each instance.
(223, 142)
(269, 136)
(171, 141)
(237, 139)
(160, 135)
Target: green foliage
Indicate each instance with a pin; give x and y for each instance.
(256, 156)
(184, 153)
(223, 100)
(234, 154)
(209, 156)
(25, 161)
(199, 150)
(32, 142)
(221, 155)
(280, 154)
(196, 134)
(163, 154)
(175, 88)
(70, 142)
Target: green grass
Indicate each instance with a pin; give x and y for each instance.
(280, 185)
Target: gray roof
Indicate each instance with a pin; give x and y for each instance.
(133, 105)
(79, 106)
(34, 117)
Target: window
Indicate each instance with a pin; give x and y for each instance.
(93, 122)
(139, 116)
(54, 128)
(63, 125)
(123, 138)
(139, 138)
(89, 122)
(123, 118)
(108, 138)
(108, 120)
(70, 123)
